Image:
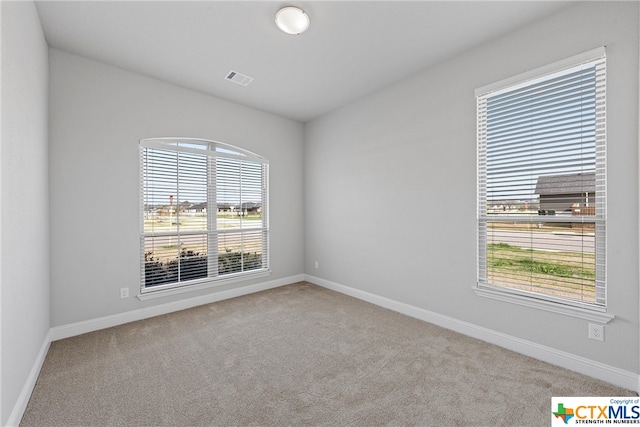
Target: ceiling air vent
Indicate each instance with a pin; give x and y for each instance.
(236, 77)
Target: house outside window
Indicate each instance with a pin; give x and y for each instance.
(572, 193)
(204, 213)
(542, 184)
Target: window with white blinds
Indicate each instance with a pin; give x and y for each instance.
(542, 183)
(203, 212)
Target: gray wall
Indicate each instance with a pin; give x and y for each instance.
(24, 199)
(98, 113)
(390, 184)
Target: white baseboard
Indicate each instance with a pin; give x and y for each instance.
(30, 383)
(575, 363)
(91, 325)
(601, 371)
(78, 328)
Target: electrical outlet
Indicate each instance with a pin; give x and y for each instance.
(596, 332)
(124, 293)
(317, 265)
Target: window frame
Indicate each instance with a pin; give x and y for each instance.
(213, 151)
(592, 311)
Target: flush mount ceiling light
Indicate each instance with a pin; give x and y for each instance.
(292, 20)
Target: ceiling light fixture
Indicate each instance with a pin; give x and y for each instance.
(292, 20)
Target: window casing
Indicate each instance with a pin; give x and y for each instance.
(542, 184)
(204, 213)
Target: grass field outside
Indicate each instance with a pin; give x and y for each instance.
(565, 274)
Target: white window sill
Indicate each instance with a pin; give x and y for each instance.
(201, 284)
(582, 313)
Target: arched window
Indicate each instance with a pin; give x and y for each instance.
(203, 213)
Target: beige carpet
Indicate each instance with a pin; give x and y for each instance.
(296, 355)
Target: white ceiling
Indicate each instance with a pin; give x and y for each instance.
(353, 48)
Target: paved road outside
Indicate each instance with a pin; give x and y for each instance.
(553, 241)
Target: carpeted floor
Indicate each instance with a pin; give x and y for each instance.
(296, 355)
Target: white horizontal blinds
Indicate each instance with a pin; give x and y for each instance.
(601, 181)
(159, 242)
(240, 251)
(198, 203)
(174, 187)
(265, 215)
(242, 231)
(541, 185)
